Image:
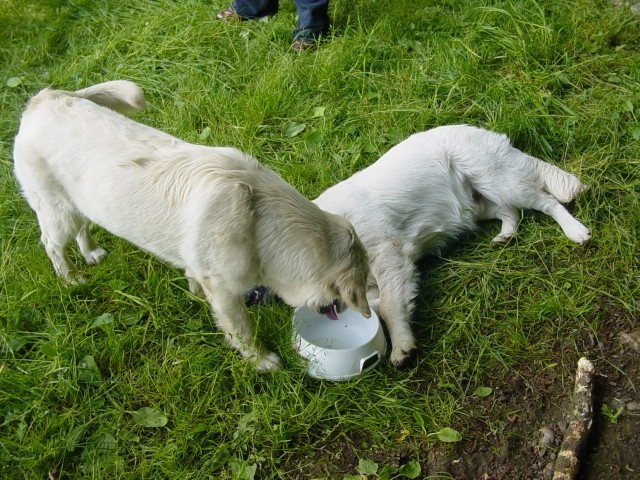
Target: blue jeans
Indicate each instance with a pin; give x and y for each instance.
(313, 17)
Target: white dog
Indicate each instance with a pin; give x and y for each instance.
(229, 222)
(428, 190)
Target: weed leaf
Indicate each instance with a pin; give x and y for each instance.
(131, 319)
(249, 472)
(130, 437)
(418, 418)
(410, 469)
(205, 133)
(49, 350)
(74, 437)
(483, 391)
(16, 342)
(386, 472)
(367, 467)
(242, 470)
(14, 82)
(448, 435)
(318, 112)
(294, 129)
(11, 417)
(313, 139)
(149, 417)
(99, 452)
(611, 413)
(103, 319)
(88, 371)
(563, 78)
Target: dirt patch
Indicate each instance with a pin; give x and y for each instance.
(614, 450)
(532, 413)
(528, 445)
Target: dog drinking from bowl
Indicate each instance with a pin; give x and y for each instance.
(215, 212)
(429, 189)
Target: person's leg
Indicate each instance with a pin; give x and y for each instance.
(250, 9)
(313, 20)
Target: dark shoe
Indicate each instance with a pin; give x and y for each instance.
(301, 44)
(228, 14)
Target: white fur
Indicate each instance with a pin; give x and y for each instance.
(229, 222)
(428, 190)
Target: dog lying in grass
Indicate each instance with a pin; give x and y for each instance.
(428, 190)
(215, 212)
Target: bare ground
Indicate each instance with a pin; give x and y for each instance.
(528, 421)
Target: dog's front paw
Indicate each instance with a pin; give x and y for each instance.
(95, 256)
(579, 234)
(501, 239)
(75, 279)
(269, 363)
(403, 356)
(196, 288)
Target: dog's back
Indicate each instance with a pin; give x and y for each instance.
(59, 128)
(414, 194)
(484, 159)
(77, 159)
(498, 170)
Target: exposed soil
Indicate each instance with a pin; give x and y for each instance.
(528, 421)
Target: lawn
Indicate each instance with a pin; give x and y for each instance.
(126, 377)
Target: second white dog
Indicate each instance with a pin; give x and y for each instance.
(428, 190)
(215, 212)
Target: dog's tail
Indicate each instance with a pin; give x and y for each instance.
(564, 186)
(122, 96)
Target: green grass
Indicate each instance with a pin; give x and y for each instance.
(562, 80)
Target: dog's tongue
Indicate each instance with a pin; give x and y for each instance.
(332, 312)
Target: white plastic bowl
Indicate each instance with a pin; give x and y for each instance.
(338, 349)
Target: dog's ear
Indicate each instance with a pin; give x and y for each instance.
(352, 287)
(353, 237)
(352, 283)
(350, 243)
(350, 254)
(343, 233)
(360, 272)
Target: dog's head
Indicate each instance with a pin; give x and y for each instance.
(344, 285)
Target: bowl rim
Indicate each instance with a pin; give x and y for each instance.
(374, 318)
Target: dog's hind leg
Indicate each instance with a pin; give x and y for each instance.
(89, 249)
(508, 215)
(59, 223)
(58, 217)
(233, 319)
(57, 227)
(396, 277)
